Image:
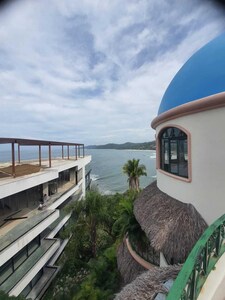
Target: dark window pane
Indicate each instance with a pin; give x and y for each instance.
(176, 132)
(36, 278)
(174, 168)
(174, 152)
(27, 290)
(19, 258)
(33, 245)
(5, 271)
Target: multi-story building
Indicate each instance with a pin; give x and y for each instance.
(190, 188)
(32, 195)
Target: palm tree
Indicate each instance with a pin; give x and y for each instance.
(87, 215)
(134, 171)
(126, 222)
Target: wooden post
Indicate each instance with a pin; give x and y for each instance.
(62, 152)
(19, 153)
(83, 150)
(49, 155)
(39, 155)
(13, 161)
(76, 151)
(68, 151)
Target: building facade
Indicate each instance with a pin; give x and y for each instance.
(32, 197)
(190, 132)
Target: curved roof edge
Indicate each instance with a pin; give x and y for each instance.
(207, 103)
(201, 76)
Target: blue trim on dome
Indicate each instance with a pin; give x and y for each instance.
(201, 76)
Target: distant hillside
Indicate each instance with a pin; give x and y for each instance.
(131, 146)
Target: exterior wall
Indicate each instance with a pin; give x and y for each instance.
(64, 197)
(33, 271)
(45, 189)
(83, 183)
(213, 288)
(72, 174)
(52, 234)
(206, 190)
(25, 239)
(12, 186)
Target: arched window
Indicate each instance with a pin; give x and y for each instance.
(174, 151)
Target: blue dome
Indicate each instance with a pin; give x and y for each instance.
(201, 76)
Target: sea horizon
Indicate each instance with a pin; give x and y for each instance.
(106, 165)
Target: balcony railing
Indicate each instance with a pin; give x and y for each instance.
(23, 233)
(88, 179)
(201, 261)
(145, 251)
(27, 267)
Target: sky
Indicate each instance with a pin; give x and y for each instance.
(94, 71)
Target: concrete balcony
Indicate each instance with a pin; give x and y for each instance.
(59, 251)
(55, 227)
(15, 284)
(42, 285)
(58, 199)
(23, 233)
(10, 185)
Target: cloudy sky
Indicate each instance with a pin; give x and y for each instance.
(94, 71)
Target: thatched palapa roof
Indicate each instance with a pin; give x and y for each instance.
(173, 227)
(128, 267)
(149, 284)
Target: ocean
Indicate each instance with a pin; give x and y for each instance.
(107, 167)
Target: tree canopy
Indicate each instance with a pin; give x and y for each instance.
(134, 170)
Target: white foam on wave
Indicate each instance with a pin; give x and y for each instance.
(107, 192)
(94, 177)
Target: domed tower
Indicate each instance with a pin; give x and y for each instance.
(190, 133)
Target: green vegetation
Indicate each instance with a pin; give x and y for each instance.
(134, 171)
(96, 228)
(126, 222)
(98, 224)
(131, 146)
(90, 267)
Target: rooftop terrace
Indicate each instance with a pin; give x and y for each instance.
(68, 151)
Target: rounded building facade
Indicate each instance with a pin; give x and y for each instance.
(190, 132)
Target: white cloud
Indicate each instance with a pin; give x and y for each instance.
(94, 71)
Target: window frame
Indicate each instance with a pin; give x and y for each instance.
(159, 150)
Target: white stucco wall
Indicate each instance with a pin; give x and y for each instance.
(206, 191)
(213, 287)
